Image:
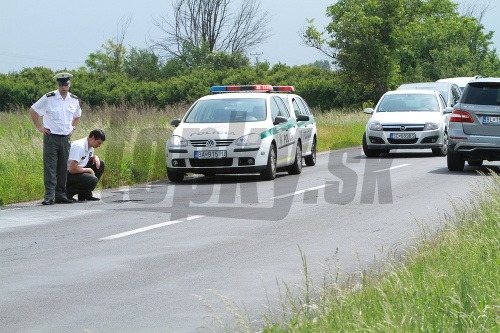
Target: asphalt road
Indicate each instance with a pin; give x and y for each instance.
(193, 257)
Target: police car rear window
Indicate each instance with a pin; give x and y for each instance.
(227, 110)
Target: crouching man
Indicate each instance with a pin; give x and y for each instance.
(84, 167)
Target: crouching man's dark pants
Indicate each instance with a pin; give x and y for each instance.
(83, 183)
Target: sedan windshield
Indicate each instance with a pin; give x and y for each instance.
(408, 102)
(227, 110)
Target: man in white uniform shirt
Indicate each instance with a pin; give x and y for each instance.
(84, 167)
(61, 113)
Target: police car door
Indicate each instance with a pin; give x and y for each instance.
(285, 132)
(305, 127)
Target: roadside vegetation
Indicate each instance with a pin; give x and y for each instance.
(446, 281)
(135, 147)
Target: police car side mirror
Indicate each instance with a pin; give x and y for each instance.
(303, 117)
(448, 109)
(368, 110)
(279, 120)
(175, 122)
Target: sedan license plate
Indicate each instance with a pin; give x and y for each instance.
(403, 136)
(210, 154)
(491, 120)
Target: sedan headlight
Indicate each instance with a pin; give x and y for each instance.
(248, 140)
(375, 126)
(177, 141)
(430, 126)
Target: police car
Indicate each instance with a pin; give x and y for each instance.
(306, 122)
(237, 129)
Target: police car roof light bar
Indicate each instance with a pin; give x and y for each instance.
(283, 88)
(256, 88)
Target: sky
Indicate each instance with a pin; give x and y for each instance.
(61, 35)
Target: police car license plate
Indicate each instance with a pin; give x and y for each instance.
(491, 120)
(403, 136)
(210, 154)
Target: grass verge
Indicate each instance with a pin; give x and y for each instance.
(448, 282)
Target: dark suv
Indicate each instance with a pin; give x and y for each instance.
(474, 125)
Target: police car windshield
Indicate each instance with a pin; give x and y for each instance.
(227, 110)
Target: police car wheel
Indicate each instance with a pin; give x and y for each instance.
(269, 173)
(311, 159)
(296, 167)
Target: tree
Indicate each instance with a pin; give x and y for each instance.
(211, 25)
(112, 58)
(378, 44)
(142, 64)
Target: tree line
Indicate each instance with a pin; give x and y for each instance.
(373, 46)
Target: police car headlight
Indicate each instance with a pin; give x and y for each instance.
(430, 126)
(375, 126)
(248, 140)
(177, 141)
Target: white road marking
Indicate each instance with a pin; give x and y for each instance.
(299, 192)
(150, 227)
(392, 168)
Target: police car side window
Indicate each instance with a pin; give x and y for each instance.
(282, 107)
(275, 110)
(296, 108)
(304, 107)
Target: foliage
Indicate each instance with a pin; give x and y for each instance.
(379, 44)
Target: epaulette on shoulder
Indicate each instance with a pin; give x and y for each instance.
(73, 96)
(50, 94)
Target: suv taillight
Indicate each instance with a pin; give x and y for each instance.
(459, 116)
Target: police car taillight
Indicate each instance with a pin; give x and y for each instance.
(256, 87)
(283, 88)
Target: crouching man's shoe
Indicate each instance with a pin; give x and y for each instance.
(64, 200)
(87, 198)
(47, 202)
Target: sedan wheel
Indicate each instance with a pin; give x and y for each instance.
(370, 152)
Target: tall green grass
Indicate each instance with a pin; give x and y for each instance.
(134, 150)
(340, 129)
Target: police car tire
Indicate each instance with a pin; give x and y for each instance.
(269, 173)
(296, 167)
(175, 177)
(311, 159)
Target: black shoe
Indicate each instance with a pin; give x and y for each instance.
(64, 200)
(91, 198)
(47, 202)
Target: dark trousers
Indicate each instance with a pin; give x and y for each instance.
(84, 183)
(55, 164)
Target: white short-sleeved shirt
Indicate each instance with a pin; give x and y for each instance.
(58, 113)
(80, 152)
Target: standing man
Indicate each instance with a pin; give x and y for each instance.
(84, 167)
(61, 113)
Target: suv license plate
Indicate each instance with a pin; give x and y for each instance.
(210, 154)
(491, 120)
(403, 136)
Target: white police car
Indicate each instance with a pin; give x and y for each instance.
(306, 122)
(237, 129)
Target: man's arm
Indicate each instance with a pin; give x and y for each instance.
(38, 123)
(74, 168)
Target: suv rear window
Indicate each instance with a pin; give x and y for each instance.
(482, 93)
